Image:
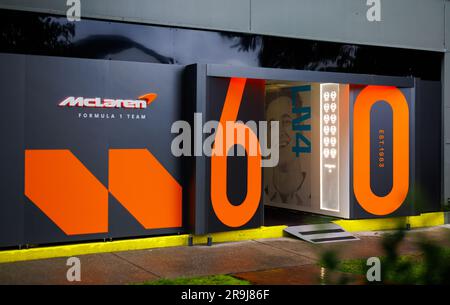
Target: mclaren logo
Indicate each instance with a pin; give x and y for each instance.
(98, 102)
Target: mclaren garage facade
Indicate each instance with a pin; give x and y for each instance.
(119, 128)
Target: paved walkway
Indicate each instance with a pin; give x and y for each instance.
(264, 261)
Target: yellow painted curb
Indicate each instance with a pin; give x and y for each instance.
(427, 220)
(393, 223)
(262, 232)
(9, 256)
(90, 248)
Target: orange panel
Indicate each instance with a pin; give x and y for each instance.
(66, 191)
(361, 149)
(145, 188)
(234, 215)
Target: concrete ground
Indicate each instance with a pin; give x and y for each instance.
(264, 261)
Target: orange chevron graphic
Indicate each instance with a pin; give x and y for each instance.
(145, 188)
(72, 197)
(66, 191)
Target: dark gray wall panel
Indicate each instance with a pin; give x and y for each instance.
(12, 100)
(404, 23)
(429, 147)
(31, 89)
(231, 15)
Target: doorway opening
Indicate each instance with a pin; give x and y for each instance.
(305, 187)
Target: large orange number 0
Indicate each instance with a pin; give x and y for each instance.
(361, 149)
(234, 215)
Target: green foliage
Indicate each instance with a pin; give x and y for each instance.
(201, 280)
(431, 266)
(330, 262)
(354, 266)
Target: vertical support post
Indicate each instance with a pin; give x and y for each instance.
(445, 80)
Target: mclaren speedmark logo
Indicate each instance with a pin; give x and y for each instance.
(98, 102)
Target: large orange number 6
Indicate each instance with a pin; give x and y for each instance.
(361, 149)
(234, 215)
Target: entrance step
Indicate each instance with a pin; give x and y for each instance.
(321, 233)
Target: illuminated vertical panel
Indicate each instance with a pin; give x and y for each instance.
(329, 147)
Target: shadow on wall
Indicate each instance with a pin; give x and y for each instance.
(34, 33)
(288, 53)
